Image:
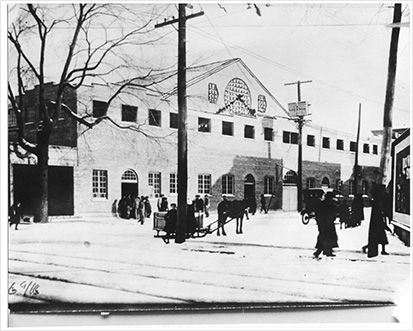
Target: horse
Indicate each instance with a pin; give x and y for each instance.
(237, 209)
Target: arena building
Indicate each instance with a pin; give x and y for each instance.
(241, 142)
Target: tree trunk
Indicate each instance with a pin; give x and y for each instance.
(42, 212)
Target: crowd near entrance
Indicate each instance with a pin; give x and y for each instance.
(129, 183)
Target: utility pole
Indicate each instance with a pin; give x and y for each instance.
(356, 169)
(388, 104)
(182, 131)
(300, 122)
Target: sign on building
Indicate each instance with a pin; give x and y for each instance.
(298, 108)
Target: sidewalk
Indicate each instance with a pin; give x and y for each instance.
(109, 260)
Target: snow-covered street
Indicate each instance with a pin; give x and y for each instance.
(114, 261)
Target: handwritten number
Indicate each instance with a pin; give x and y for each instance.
(12, 290)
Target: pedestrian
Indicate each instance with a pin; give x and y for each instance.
(262, 200)
(164, 204)
(252, 205)
(159, 202)
(136, 202)
(222, 209)
(15, 214)
(191, 223)
(357, 210)
(170, 222)
(123, 208)
(129, 206)
(377, 227)
(198, 204)
(327, 239)
(344, 213)
(148, 207)
(206, 205)
(114, 208)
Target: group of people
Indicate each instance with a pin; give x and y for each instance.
(135, 207)
(326, 212)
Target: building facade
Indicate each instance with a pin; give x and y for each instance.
(241, 143)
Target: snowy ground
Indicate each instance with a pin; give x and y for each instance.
(109, 260)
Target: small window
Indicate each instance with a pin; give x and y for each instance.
(227, 128)
(173, 120)
(154, 117)
(173, 183)
(99, 108)
(290, 137)
(310, 140)
(268, 134)
(340, 144)
(100, 184)
(310, 182)
(326, 142)
(290, 177)
(204, 124)
(154, 182)
(212, 93)
(129, 113)
(294, 138)
(204, 184)
(366, 148)
(249, 132)
(286, 137)
(227, 184)
(353, 146)
(375, 149)
(268, 185)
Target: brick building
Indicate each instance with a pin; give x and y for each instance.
(240, 143)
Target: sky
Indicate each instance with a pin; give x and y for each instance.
(342, 48)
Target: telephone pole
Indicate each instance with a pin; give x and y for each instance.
(182, 131)
(300, 121)
(356, 170)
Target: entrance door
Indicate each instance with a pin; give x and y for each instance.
(249, 186)
(289, 197)
(129, 183)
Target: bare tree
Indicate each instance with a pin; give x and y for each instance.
(88, 41)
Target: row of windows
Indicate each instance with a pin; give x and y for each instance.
(100, 183)
(310, 183)
(292, 138)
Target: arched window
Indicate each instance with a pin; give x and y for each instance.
(227, 184)
(325, 182)
(310, 182)
(290, 177)
(268, 185)
(129, 176)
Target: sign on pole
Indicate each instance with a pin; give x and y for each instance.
(298, 108)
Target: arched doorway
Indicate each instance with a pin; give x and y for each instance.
(249, 186)
(325, 182)
(129, 183)
(289, 198)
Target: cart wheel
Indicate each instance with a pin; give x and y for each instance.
(305, 218)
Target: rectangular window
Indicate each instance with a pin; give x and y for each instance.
(290, 137)
(12, 118)
(366, 148)
(310, 182)
(227, 128)
(268, 185)
(350, 186)
(402, 181)
(249, 132)
(310, 140)
(326, 142)
(204, 184)
(340, 144)
(375, 149)
(173, 183)
(268, 135)
(100, 184)
(204, 124)
(173, 120)
(227, 184)
(100, 108)
(154, 117)
(129, 113)
(154, 182)
(353, 146)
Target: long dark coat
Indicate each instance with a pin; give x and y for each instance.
(325, 216)
(170, 221)
(357, 210)
(377, 226)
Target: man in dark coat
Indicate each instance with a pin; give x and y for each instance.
(15, 214)
(377, 234)
(326, 212)
(222, 215)
(344, 214)
(357, 210)
(198, 204)
(170, 222)
(262, 201)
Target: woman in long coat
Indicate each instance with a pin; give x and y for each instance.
(326, 212)
(377, 227)
(357, 210)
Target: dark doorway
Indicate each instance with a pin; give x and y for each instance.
(26, 189)
(129, 183)
(249, 186)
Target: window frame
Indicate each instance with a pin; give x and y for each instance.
(227, 125)
(173, 183)
(129, 108)
(366, 148)
(154, 178)
(340, 144)
(227, 184)
(171, 117)
(269, 184)
(204, 183)
(100, 190)
(313, 140)
(252, 128)
(204, 129)
(266, 130)
(96, 103)
(326, 139)
(153, 119)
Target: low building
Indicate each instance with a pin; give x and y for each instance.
(241, 142)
